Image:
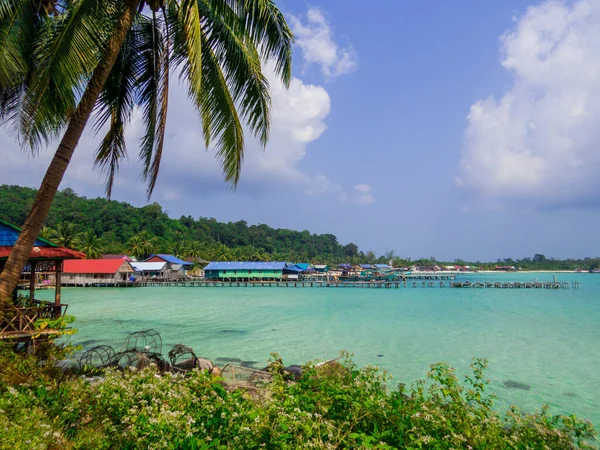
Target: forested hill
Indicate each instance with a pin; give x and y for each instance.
(96, 226)
(119, 224)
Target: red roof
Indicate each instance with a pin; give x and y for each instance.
(38, 253)
(93, 265)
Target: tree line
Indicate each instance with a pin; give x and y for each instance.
(97, 226)
(119, 227)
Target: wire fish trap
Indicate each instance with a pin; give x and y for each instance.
(140, 360)
(245, 377)
(144, 341)
(182, 358)
(100, 356)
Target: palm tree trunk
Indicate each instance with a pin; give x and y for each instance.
(9, 277)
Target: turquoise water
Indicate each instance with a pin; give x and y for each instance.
(547, 339)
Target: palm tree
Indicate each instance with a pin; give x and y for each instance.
(193, 249)
(142, 245)
(149, 244)
(90, 244)
(65, 234)
(179, 249)
(222, 253)
(46, 233)
(60, 61)
(135, 247)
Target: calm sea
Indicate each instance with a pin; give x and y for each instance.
(548, 340)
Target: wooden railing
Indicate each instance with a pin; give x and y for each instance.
(23, 318)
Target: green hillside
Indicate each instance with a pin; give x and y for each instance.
(119, 224)
(77, 221)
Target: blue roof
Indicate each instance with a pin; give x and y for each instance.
(172, 259)
(383, 266)
(303, 266)
(367, 266)
(9, 234)
(245, 265)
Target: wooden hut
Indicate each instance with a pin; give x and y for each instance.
(157, 271)
(321, 268)
(245, 271)
(94, 272)
(46, 259)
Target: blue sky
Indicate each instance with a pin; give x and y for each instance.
(448, 129)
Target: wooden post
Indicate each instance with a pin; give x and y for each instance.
(32, 281)
(57, 311)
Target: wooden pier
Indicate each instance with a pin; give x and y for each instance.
(367, 285)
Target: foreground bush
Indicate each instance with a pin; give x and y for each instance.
(337, 406)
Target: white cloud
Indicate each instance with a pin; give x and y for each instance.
(363, 194)
(315, 38)
(298, 118)
(539, 143)
(299, 115)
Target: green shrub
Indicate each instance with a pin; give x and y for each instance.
(335, 405)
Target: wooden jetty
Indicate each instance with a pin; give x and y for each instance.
(430, 276)
(365, 284)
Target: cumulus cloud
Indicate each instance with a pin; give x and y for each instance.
(298, 118)
(314, 36)
(538, 144)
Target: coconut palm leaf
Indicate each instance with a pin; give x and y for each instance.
(154, 95)
(115, 106)
(19, 20)
(266, 26)
(217, 45)
(90, 244)
(240, 61)
(211, 94)
(218, 109)
(65, 234)
(67, 50)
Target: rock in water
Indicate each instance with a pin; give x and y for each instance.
(229, 360)
(512, 384)
(249, 364)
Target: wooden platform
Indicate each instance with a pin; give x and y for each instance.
(27, 335)
(368, 285)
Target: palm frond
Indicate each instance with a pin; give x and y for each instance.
(16, 35)
(159, 137)
(266, 26)
(7, 7)
(217, 108)
(241, 64)
(190, 31)
(115, 105)
(19, 21)
(66, 52)
(180, 52)
(154, 96)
